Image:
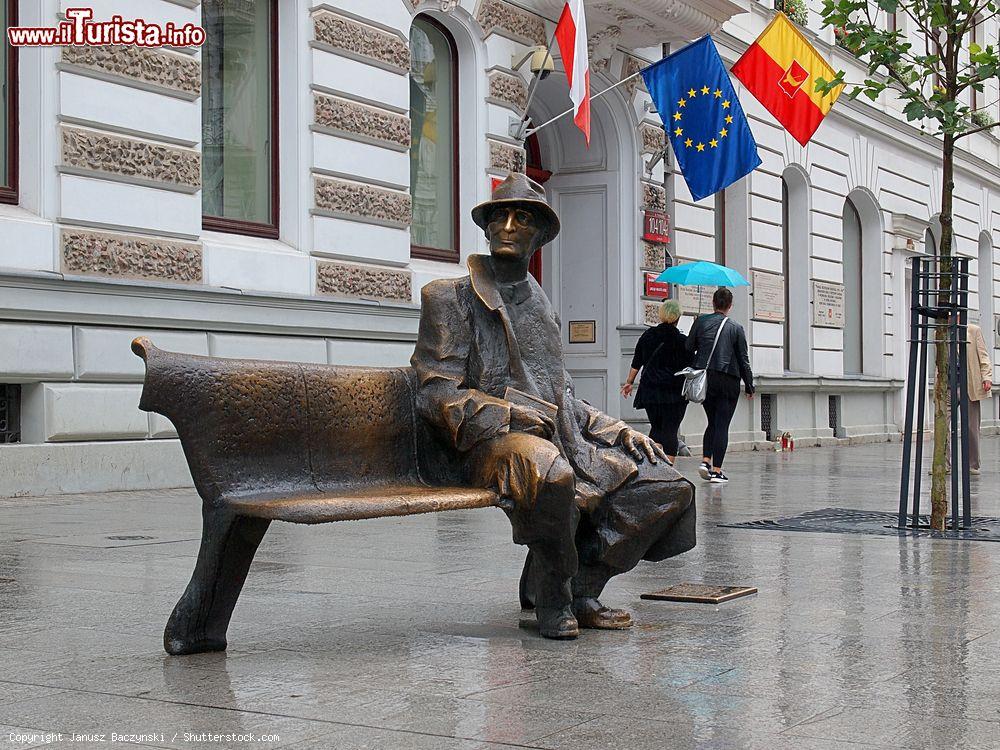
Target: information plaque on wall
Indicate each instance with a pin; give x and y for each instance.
(583, 331)
(828, 304)
(695, 300)
(768, 296)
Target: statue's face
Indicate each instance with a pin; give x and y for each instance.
(513, 233)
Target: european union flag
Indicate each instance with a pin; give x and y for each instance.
(702, 114)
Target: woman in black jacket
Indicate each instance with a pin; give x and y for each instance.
(725, 367)
(660, 353)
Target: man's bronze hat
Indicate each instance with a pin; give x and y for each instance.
(518, 190)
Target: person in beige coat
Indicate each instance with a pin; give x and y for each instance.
(980, 373)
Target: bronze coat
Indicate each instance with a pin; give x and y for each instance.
(466, 356)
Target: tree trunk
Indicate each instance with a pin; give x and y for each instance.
(942, 422)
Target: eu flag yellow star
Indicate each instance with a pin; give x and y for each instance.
(700, 147)
(704, 89)
(692, 93)
(718, 93)
(677, 115)
(723, 132)
(682, 103)
(725, 104)
(688, 142)
(678, 131)
(729, 119)
(713, 143)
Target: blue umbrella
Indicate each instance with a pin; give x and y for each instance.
(702, 273)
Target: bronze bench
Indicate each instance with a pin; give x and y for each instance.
(280, 441)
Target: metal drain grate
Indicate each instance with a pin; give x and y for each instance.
(872, 523)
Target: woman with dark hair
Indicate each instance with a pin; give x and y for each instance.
(660, 353)
(725, 367)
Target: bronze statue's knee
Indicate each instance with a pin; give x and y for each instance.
(561, 475)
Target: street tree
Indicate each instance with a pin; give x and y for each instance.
(934, 79)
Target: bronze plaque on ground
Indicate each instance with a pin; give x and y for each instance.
(700, 593)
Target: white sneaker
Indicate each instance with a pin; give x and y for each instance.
(704, 470)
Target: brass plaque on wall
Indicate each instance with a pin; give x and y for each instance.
(583, 332)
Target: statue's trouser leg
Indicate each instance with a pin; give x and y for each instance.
(651, 517)
(538, 484)
(201, 618)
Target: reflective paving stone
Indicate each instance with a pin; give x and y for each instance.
(402, 633)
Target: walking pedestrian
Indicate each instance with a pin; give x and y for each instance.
(980, 373)
(730, 362)
(660, 353)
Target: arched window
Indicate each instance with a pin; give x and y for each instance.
(986, 277)
(240, 117)
(434, 141)
(854, 323)
(8, 106)
(795, 240)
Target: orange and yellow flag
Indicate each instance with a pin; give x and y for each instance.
(780, 69)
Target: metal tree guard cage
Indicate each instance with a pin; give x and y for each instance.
(933, 311)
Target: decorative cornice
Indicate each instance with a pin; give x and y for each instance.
(654, 256)
(360, 40)
(653, 196)
(158, 67)
(358, 200)
(368, 122)
(630, 66)
(653, 138)
(130, 256)
(358, 281)
(506, 158)
(111, 154)
(508, 89)
(499, 17)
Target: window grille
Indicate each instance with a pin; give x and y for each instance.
(767, 415)
(836, 423)
(10, 416)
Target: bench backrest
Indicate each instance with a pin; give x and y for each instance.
(253, 428)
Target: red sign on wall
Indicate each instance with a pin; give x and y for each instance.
(654, 288)
(656, 226)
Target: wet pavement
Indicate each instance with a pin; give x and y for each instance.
(402, 633)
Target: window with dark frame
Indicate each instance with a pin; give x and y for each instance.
(786, 252)
(434, 155)
(240, 117)
(8, 114)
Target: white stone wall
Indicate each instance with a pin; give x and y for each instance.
(338, 285)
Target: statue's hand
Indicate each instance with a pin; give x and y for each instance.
(641, 447)
(531, 421)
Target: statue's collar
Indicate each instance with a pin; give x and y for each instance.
(484, 282)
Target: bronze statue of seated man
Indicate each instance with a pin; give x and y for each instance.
(588, 495)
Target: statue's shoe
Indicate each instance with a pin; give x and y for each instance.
(590, 613)
(557, 624)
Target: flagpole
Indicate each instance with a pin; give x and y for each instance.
(521, 135)
(598, 95)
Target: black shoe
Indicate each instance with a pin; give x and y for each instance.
(717, 477)
(704, 470)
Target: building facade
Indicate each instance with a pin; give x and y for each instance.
(285, 191)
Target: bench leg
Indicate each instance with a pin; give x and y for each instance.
(201, 618)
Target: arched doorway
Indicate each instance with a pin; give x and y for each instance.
(594, 192)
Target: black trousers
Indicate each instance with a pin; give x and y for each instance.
(719, 409)
(664, 422)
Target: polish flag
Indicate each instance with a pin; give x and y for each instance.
(571, 33)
